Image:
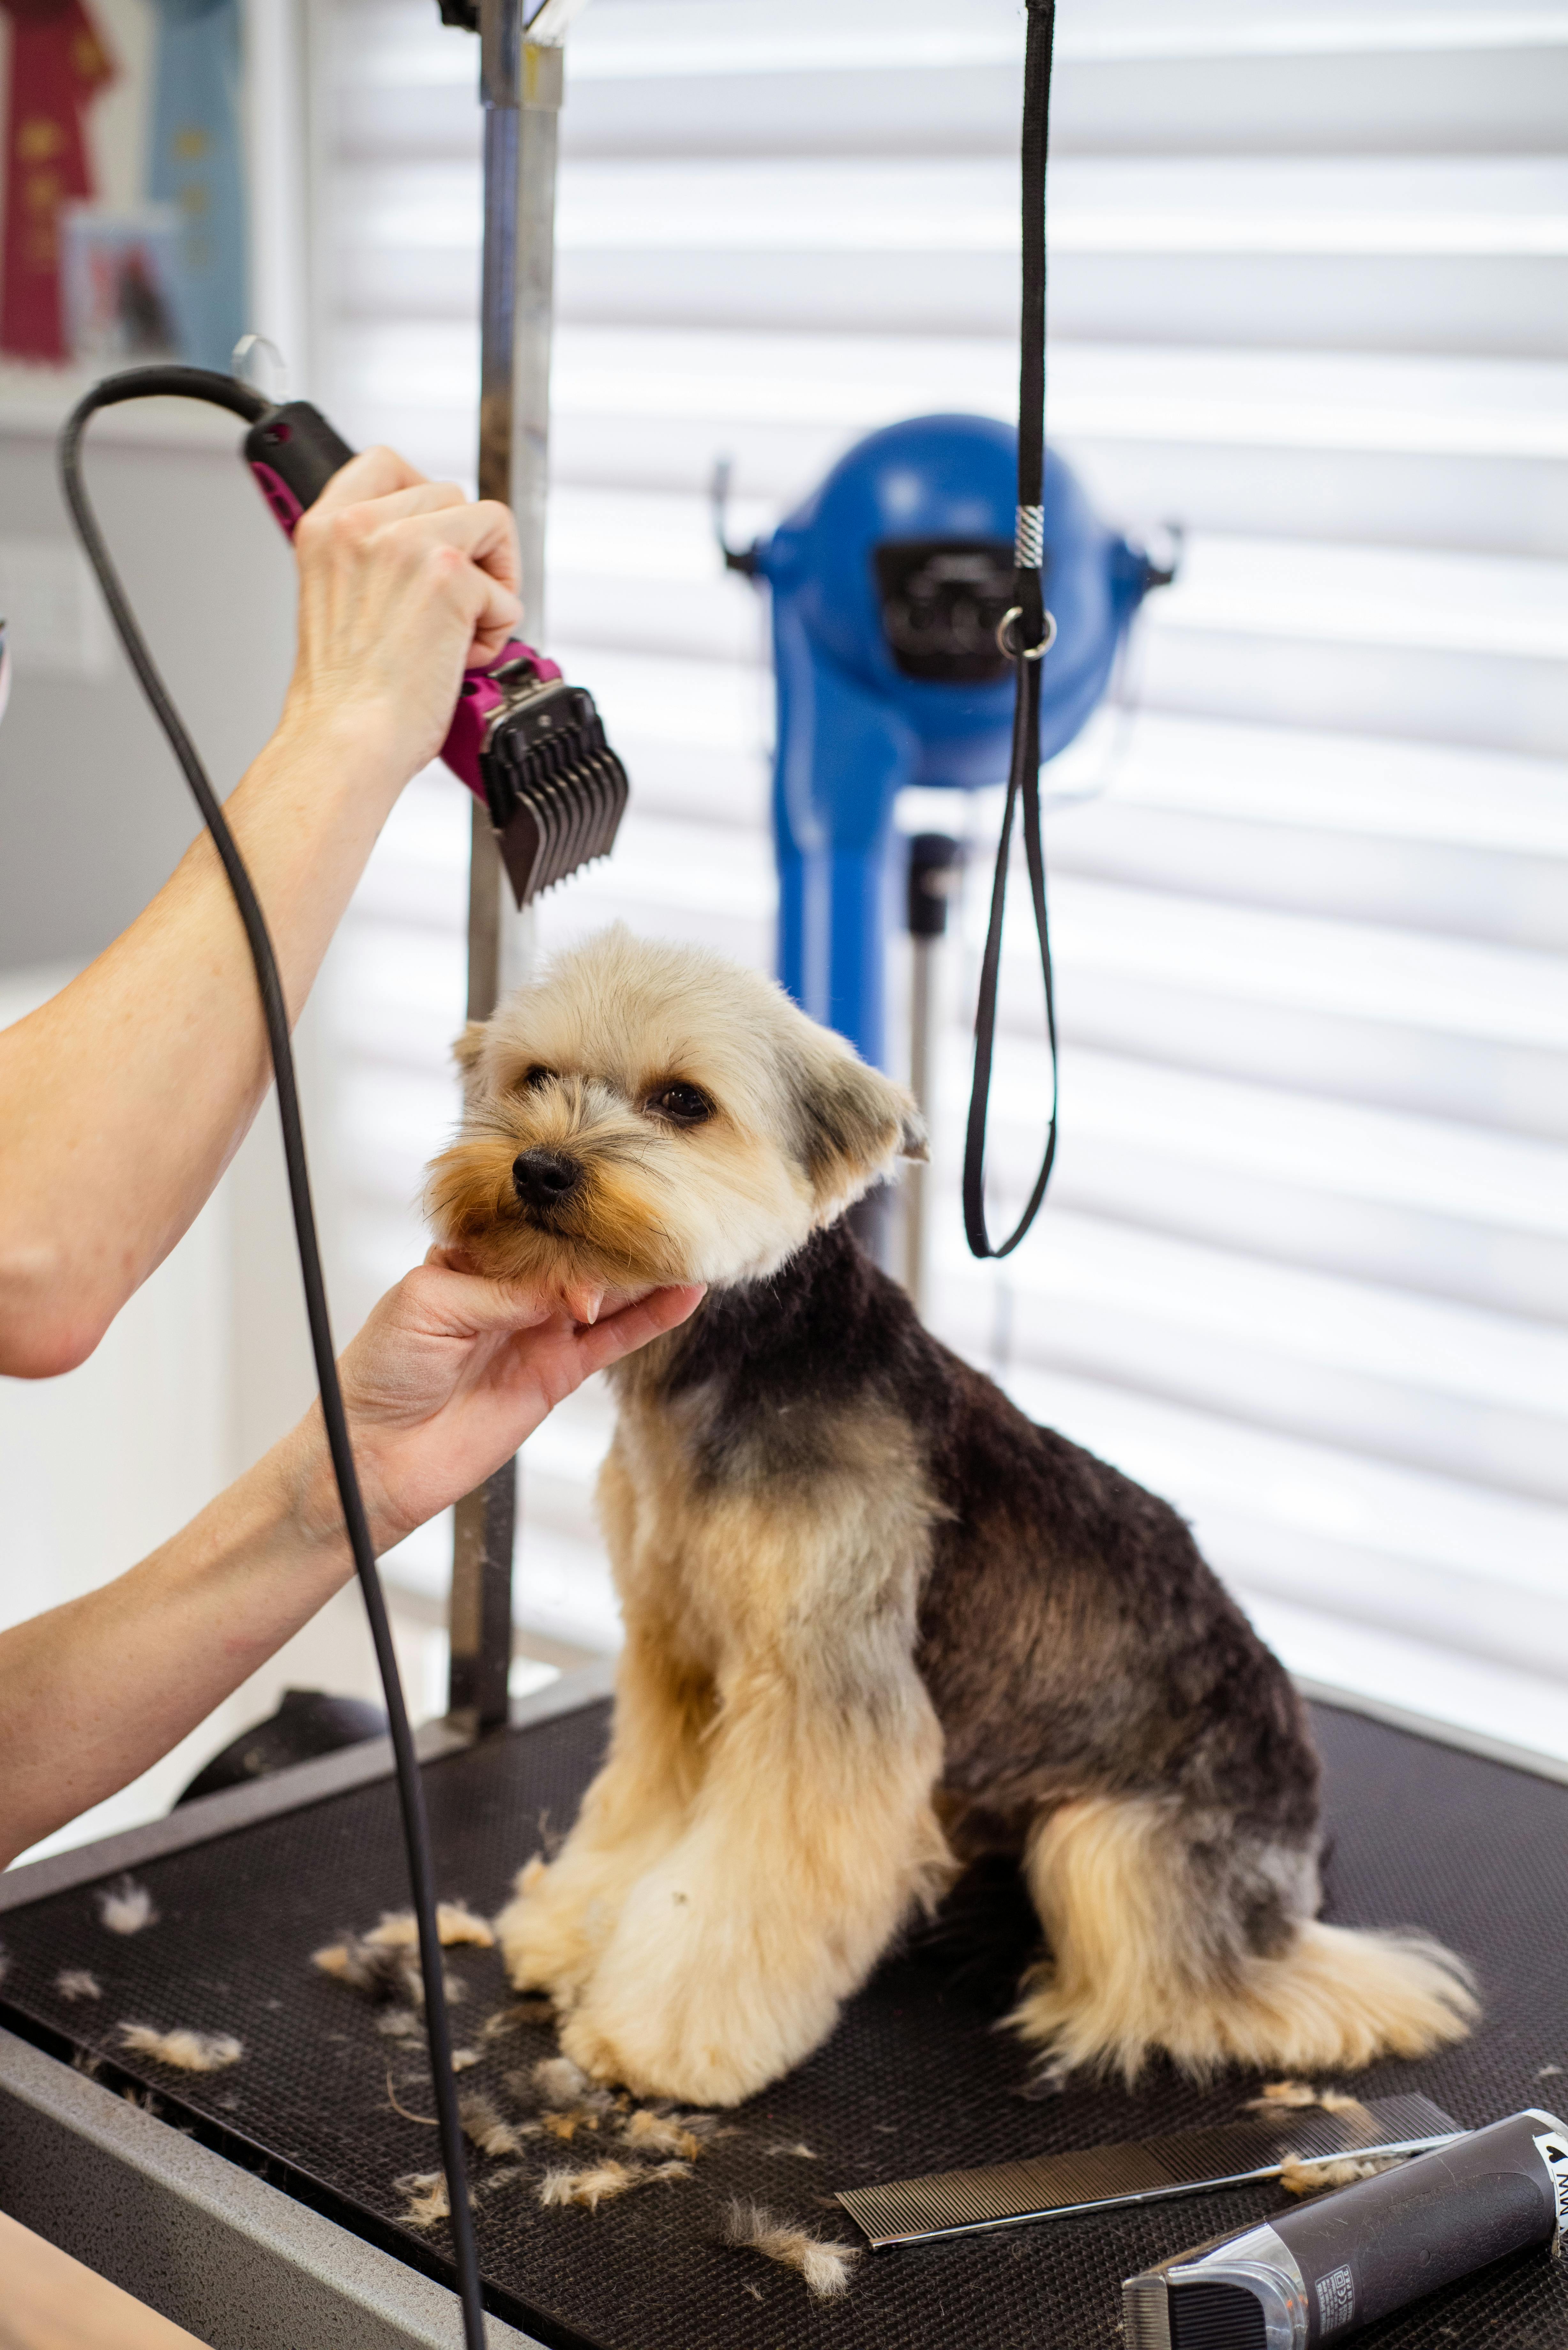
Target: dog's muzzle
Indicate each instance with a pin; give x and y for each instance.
(545, 1181)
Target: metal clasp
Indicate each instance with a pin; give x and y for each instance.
(1006, 645)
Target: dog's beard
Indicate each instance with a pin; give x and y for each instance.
(609, 1230)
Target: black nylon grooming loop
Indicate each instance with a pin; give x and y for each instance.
(1025, 636)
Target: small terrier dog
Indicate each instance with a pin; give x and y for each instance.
(877, 1623)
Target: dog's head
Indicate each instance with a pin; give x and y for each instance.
(645, 1114)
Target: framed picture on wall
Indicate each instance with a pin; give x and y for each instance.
(126, 300)
(125, 232)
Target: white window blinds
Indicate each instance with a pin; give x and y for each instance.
(1304, 1266)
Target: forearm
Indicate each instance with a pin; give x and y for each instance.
(122, 1101)
(94, 1693)
(126, 1096)
(450, 1374)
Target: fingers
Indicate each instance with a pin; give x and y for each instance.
(400, 505)
(374, 473)
(414, 520)
(499, 618)
(379, 519)
(441, 1294)
(486, 536)
(491, 638)
(443, 1301)
(486, 532)
(634, 1326)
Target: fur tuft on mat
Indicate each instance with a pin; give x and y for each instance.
(825, 2267)
(188, 2052)
(126, 1907)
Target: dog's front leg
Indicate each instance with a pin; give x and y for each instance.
(812, 1836)
(562, 1913)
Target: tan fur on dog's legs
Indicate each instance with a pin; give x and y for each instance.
(1147, 1954)
(561, 1914)
(813, 1832)
(812, 1836)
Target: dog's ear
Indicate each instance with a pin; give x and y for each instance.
(466, 1051)
(853, 1121)
(914, 1142)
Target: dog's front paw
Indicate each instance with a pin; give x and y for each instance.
(686, 2007)
(694, 2050)
(544, 1933)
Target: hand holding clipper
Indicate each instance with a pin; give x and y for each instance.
(528, 744)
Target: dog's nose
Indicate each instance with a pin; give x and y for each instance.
(545, 1179)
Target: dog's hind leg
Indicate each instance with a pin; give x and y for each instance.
(1175, 1931)
(562, 1912)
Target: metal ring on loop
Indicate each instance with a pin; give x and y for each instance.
(1009, 650)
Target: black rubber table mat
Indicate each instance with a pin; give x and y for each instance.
(916, 2079)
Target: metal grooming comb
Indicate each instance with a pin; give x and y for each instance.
(1056, 2186)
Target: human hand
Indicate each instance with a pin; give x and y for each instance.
(449, 1375)
(403, 583)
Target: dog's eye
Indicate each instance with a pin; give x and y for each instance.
(531, 1079)
(684, 1105)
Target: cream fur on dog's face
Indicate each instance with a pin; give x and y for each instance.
(706, 1126)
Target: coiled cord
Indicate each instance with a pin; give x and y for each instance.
(225, 391)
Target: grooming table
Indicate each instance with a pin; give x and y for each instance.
(917, 2079)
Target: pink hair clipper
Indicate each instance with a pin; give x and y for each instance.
(522, 740)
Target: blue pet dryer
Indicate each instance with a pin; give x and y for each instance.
(887, 587)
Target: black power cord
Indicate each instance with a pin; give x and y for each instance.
(227, 392)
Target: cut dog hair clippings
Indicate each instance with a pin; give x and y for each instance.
(825, 2267)
(1299, 2177)
(126, 1907)
(682, 2134)
(426, 2198)
(487, 2127)
(455, 1922)
(1290, 2094)
(604, 2181)
(188, 2052)
(381, 1971)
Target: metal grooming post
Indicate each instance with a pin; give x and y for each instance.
(519, 89)
(936, 874)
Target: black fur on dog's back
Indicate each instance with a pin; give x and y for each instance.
(1071, 1636)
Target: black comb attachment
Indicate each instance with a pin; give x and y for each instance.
(556, 791)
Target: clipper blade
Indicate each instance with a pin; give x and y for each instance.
(556, 790)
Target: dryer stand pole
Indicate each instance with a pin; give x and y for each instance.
(519, 89)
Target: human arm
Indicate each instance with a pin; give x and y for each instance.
(447, 1378)
(122, 1099)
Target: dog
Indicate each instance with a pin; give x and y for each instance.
(877, 1622)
